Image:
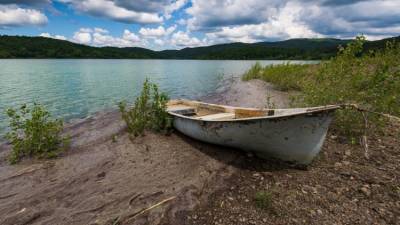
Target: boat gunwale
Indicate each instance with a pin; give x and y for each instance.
(317, 110)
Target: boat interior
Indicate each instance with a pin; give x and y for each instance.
(206, 111)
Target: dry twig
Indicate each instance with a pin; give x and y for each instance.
(364, 138)
(142, 211)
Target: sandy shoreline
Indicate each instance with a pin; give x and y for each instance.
(93, 181)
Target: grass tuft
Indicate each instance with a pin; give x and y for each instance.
(263, 200)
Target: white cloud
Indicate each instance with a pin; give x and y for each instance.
(100, 30)
(83, 36)
(173, 6)
(284, 25)
(27, 2)
(216, 13)
(48, 35)
(159, 42)
(85, 30)
(156, 32)
(100, 37)
(183, 39)
(181, 22)
(108, 9)
(12, 15)
(130, 36)
(260, 20)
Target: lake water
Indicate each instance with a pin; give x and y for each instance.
(78, 88)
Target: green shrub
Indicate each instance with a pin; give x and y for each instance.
(370, 80)
(34, 133)
(263, 200)
(148, 112)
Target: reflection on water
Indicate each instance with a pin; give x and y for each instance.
(77, 88)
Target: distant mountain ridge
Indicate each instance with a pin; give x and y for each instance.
(41, 47)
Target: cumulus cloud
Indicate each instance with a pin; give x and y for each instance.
(159, 42)
(27, 2)
(83, 36)
(153, 6)
(173, 6)
(371, 17)
(203, 22)
(48, 35)
(182, 39)
(127, 11)
(109, 9)
(100, 37)
(283, 25)
(156, 32)
(181, 22)
(258, 20)
(215, 13)
(100, 30)
(14, 16)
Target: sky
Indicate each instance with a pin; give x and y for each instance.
(176, 24)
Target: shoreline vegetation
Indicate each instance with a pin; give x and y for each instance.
(292, 49)
(370, 80)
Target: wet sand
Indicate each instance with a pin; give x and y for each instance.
(101, 181)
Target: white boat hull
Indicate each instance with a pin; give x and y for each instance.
(297, 138)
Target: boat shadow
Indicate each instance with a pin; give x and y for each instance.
(238, 158)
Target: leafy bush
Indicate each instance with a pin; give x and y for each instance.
(148, 112)
(34, 133)
(370, 80)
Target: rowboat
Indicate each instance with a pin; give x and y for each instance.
(294, 135)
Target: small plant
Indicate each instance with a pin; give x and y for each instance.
(114, 138)
(263, 200)
(148, 112)
(34, 133)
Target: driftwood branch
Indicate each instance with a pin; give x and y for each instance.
(142, 211)
(358, 108)
(364, 138)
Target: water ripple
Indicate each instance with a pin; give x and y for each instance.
(76, 88)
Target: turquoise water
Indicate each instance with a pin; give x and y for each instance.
(78, 88)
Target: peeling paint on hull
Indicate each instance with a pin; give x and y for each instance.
(296, 138)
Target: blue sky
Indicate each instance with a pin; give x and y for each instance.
(175, 24)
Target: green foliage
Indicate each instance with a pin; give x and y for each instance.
(148, 111)
(40, 47)
(263, 200)
(371, 80)
(34, 133)
(254, 72)
(284, 76)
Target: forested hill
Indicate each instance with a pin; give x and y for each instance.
(40, 47)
